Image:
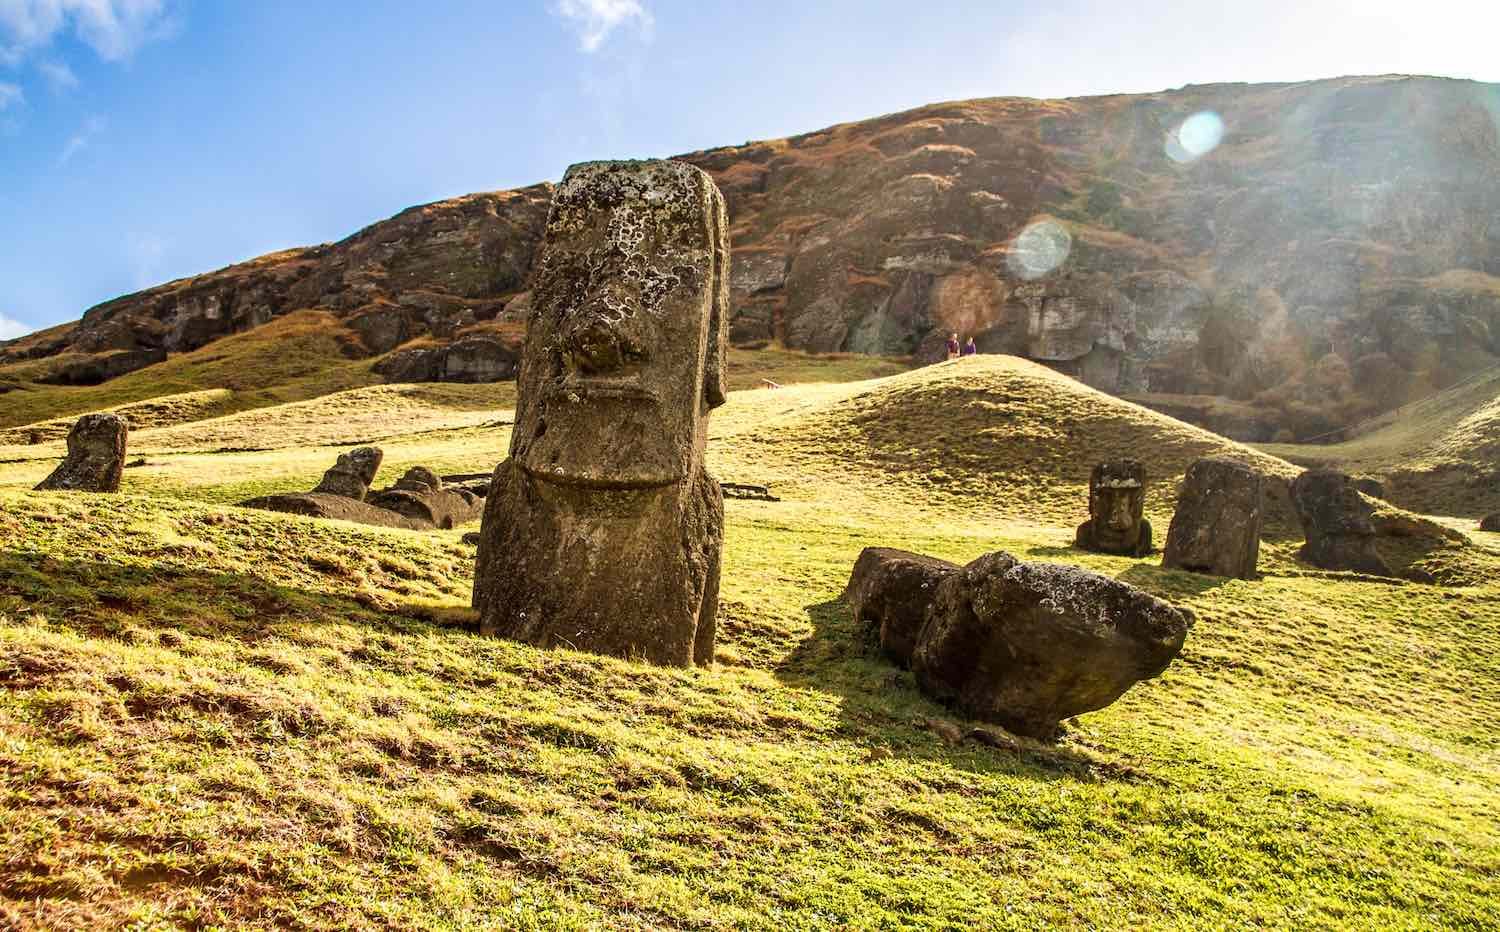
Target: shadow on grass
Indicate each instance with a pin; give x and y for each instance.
(882, 707)
(104, 599)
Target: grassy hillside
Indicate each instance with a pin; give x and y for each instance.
(1441, 454)
(211, 716)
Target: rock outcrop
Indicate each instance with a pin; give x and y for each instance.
(1491, 523)
(1337, 523)
(96, 456)
(891, 590)
(1216, 526)
(602, 531)
(1117, 502)
(1027, 645)
(1336, 255)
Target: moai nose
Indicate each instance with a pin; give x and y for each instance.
(594, 348)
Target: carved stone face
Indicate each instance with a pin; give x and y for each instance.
(625, 349)
(1117, 500)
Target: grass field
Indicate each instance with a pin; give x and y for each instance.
(213, 717)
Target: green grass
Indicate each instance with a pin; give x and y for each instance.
(217, 717)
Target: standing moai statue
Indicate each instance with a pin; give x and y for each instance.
(1336, 522)
(96, 456)
(1117, 502)
(1216, 527)
(352, 474)
(603, 531)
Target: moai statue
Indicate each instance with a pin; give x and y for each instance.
(1336, 521)
(602, 531)
(1117, 499)
(352, 474)
(96, 456)
(1216, 528)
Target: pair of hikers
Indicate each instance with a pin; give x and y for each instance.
(969, 349)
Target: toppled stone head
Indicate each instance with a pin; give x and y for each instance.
(96, 456)
(602, 531)
(624, 351)
(1216, 527)
(1117, 502)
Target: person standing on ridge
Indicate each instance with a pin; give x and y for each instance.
(970, 349)
(952, 346)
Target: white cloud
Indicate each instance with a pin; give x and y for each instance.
(59, 75)
(10, 328)
(114, 29)
(77, 142)
(10, 96)
(594, 20)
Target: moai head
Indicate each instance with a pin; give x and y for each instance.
(1117, 498)
(624, 353)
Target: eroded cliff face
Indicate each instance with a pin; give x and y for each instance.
(1337, 253)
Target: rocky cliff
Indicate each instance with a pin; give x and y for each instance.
(1278, 260)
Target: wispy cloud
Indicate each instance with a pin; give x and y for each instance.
(58, 75)
(11, 95)
(595, 20)
(114, 29)
(79, 141)
(145, 251)
(10, 328)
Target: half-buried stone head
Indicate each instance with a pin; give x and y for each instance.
(623, 358)
(96, 456)
(1117, 501)
(602, 530)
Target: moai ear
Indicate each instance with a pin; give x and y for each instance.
(719, 310)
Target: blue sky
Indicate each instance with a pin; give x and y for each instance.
(144, 140)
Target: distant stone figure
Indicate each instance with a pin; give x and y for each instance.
(1117, 501)
(602, 531)
(1216, 527)
(1337, 523)
(96, 456)
(1027, 645)
(423, 496)
(1491, 523)
(970, 349)
(352, 475)
(953, 348)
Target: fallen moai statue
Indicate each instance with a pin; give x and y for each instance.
(96, 456)
(419, 501)
(1117, 502)
(1023, 645)
(603, 530)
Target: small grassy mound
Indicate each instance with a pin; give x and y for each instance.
(140, 415)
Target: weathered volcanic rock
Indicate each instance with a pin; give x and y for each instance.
(325, 505)
(413, 365)
(603, 531)
(1216, 527)
(96, 456)
(1370, 487)
(479, 360)
(891, 590)
(1026, 645)
(94, 370)
(422, 496)
(1337, 522)
(1117, 501)
(352, 474)
(1491, 522)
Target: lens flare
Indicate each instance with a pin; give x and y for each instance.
(1195, 137)
(1039, 249)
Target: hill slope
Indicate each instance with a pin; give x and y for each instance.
(211, 716)
(1335, 256)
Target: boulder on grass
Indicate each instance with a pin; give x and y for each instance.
(891, 590)
(96, 456)
(1216, 527)
(1491, 522)
(1027, 645)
